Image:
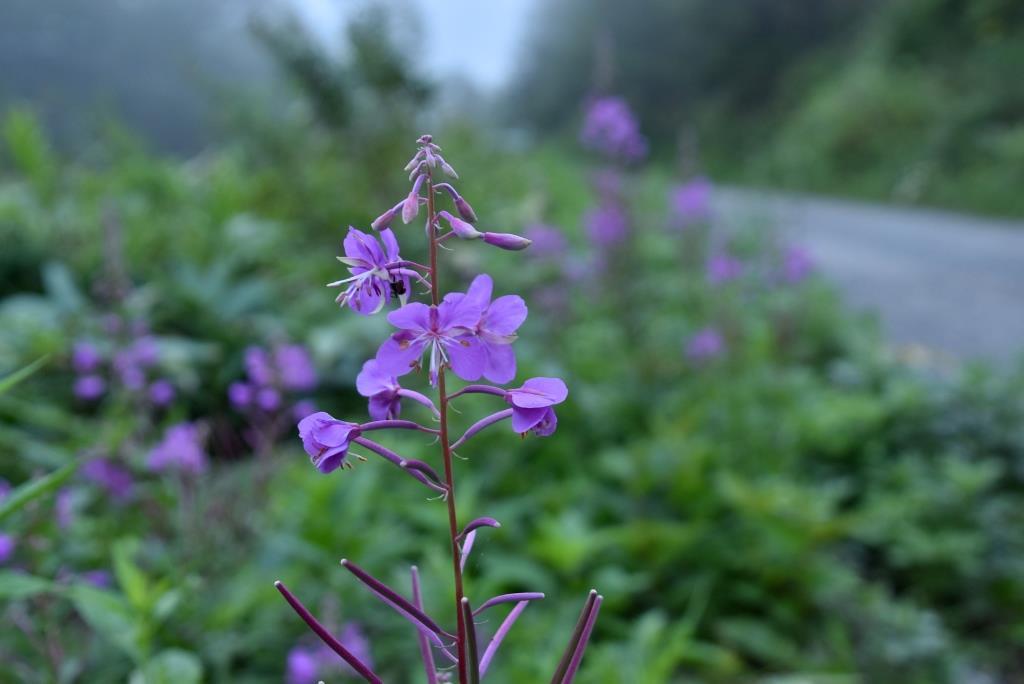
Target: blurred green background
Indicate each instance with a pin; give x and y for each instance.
(762, 489)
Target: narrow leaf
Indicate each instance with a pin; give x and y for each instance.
(499, 636)
(29, 491)
(18, 585)
(577, 632)
(391, 597)
(577, 657)
(328, 638)
(472, 659)
(9, 381)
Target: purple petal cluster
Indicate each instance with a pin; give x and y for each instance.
(116, 480)
(270, 375)
(532, 405)
(705, 344)
(610, 128)
(797, 264)
(723, 268)
(180, 450)
(607, 224)
(326, 440)
(374, 270)
(691, 202)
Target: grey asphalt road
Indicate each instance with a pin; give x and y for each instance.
(952, 283)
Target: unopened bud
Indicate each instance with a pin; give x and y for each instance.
(506, 241)
(410, 207)
(387, 218)
(465, 211)
(460, 227)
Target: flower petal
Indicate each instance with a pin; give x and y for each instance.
(501, 363)
(525, 418)
(414, 316)
(468, 357)
(372, 380)
(399, 353)
(537, 392)
(505, 315)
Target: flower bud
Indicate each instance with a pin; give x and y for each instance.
(387, 218)
(410, 207)
(465, 211)
(506, 241)
(460, 227)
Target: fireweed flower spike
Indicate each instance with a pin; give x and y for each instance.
(470, 335)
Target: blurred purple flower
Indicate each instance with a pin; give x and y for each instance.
(723, 267)
(181, 449)
(112, 324)
(145, 352)
(609, 127)
(326, 440)
(85, 357)
(303, 666)
(64, 508)
(354, 639)
(548, 241)
(118, 481)
(607, 224)
(90, 387)
(303, 408)
(295, 367)
(7, 546)
(705, 344)
(691, 202)
(382, 390)
(258, 366)
(5, 488)
(797, 264)
(100, 579)
(162, 392)
(532, 405)
(240, 394)
(268, 399)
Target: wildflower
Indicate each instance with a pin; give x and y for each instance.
(240, 394)
(722, 268)
(448, 330)
(116, 480)
(532, 405)
(691, 202)
(326, 440)
(462, 229)
(607, 224)
(609, 127)
(181, 449)
(495, 328)
(90, 387)
(354, 639)
(100, 579)
(85, 357)
(268, 399)
(295, 367)
(258, 366)
(370, 286)
(162, 392)
(303, 666)
(796, 264)
(382, 390)
(548, 241)
(7, 545)
(705, 344)
(303, 408)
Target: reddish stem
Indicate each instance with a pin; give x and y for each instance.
(449, 476)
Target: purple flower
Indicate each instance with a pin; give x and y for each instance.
(303, 666)
(370, 286)
(64, 508)
(607, 224)
(268, 399)
(85, 357)
(7, 545)
(295, 367)
(90, 387)
(532, 405)
(145, 351)
(610, 128)
(181, 449)
(354, 639)
(548, 241)
(240, 394)
(705, 344)
(100, 579)
(691, 202)
(116, 480)
(162, 392)
(509, 241)
(303, 408)
(447, 330)
(382, 389)
(796, 264)
(258, 366)
(326, 440)
(496, 327)
(724, 267)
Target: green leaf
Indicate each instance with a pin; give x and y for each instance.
(17, 376)
(108, 616)
(18, 585)
(172, 666)
(129, 577)
(30, 491)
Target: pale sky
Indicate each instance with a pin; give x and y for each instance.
(478, 39)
